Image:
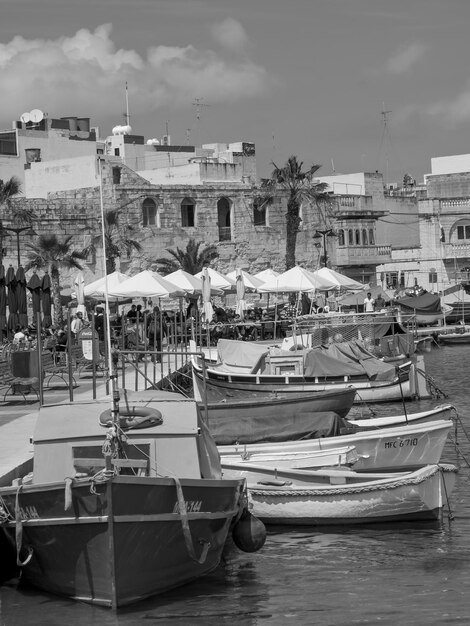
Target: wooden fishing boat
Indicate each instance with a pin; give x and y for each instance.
(440, 412)
(382, 449)
(256, 371)
(341, 496)
(150, 514)
(280, 417)
(458, 337)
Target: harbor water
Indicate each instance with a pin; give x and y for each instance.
(389, 574)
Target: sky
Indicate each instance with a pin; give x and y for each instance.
(351, 85)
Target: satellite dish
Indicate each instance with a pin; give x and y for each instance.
(25, 118)
(36, 115)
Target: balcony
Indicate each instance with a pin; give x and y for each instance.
(362, 255)
(456, 250)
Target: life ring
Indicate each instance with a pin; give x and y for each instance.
(133, 417)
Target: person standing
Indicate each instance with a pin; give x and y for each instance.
(77, 324)
(369, 303)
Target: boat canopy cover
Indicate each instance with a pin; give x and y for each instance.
(355, 353)
(426, 303)
(257, 429)
(240, 355)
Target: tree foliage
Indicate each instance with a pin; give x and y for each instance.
(300, 188)
(119, 238)
(53, 254)
(191, 260)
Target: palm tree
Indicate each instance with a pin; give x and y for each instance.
(20, 216)
(190, 260)
(118, 239)
(53, 254)
(300, 187)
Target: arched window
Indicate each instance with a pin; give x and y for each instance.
(357, 234)
(259, 212)
(340, 237)
(364, 237)
(350, 237)
(224, 219)
(188, 213)
(149, 212)
(371, 237)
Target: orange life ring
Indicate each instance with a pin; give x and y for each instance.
(133, 417)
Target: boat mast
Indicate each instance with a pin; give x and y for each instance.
(112, 373)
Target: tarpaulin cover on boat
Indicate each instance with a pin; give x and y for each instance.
(240, 355)
(426, 303)
(357, 353)
(306, 425)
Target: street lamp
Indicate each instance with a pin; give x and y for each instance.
(18, 230)
(324, 233)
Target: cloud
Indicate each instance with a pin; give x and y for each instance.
(455, 111)
(230, 34)
(86, 74)
(405, 58)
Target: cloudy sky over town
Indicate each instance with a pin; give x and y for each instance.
(304, 77)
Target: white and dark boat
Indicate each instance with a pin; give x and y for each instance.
(120, 507)
(381, 449)
(251, 370)
(342, 496)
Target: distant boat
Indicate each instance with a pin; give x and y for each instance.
(426, 308)
(342, 496)
(459, 336)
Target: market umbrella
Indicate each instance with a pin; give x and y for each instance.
(189, 283)
(241, 302)
(46, 300)
(297, 279)
(251, 282)
(22, 302)
(266, 274)
(218, 280)
(96, 289)
(207, 310)
(34, 286)
(3, 303)
(10, 281)
(339, 279)
(147, 284)
(79, 285)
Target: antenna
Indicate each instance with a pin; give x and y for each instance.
(197, 102)
(385, 135)
(333, 165)
(126, 114)
(188, 136)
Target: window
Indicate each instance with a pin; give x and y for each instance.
(463, 232)
(341, 237)
(364, 237)
(116, 151)
(149, 212)
(433, 275)
(224, 219)
(351, 237)
(188, 211)
(357, 233)
(116, 175)
(371, 237)
(259, 213)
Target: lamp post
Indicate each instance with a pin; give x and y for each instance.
(17, 230)
(324, 233)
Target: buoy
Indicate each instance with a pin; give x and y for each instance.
(249, 533)
(133, 417)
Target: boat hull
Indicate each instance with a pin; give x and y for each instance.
(386, 449)
(276, 418)
(454, 338)
(223, 385)
(126, 541)
(416, 496)
(442, 412)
